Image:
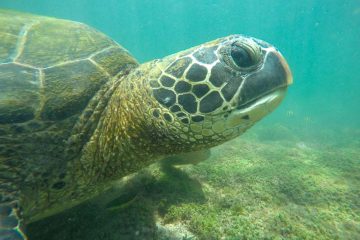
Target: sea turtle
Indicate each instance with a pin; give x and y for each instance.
(77, 111)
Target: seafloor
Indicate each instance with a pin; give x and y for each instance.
(267, 184)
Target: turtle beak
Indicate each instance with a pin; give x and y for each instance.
(271, 50)
(285, 65)
(275, 74)
(262, 90)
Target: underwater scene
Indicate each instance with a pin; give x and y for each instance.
(214, 120)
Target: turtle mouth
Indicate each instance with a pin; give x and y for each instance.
(272, 79)
(256, 109)
(264, 98)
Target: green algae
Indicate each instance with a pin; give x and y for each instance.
(270, 190)
(248, 189)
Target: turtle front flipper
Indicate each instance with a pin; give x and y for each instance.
(10, 222)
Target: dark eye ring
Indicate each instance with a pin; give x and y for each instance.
(242, 56)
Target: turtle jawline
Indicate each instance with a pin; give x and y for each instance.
(255, 100)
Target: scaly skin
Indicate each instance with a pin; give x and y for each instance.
(95, 115)
(130, 136)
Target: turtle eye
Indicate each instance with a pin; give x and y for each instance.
(241, 57)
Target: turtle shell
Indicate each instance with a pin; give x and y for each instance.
(55, 77)
(50, 68)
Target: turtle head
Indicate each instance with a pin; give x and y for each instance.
(214, 92)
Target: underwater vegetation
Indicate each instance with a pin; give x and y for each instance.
(254, 187)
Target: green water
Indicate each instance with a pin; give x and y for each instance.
(319, 39)
(295, 175)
